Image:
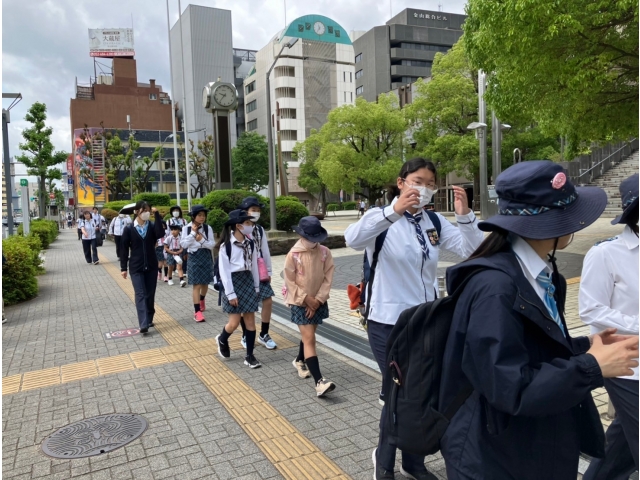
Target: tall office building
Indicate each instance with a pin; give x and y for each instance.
(401, 51)
(307, 81)
(208, 55)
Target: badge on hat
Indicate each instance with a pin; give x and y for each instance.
(432, 233)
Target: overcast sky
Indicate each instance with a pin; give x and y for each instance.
(45, 43)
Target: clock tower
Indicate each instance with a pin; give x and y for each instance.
(221, 98)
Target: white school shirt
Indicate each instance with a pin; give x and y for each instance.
(531, 264)
(227, 266)
(189, 242)
(402, 279)
(118, 225)
(263, 247)
(90, 226)
(609, 286)
(99, 218)
(173, 243)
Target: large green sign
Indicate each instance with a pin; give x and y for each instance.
(24, 182)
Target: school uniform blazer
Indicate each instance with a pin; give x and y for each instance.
(138, 253)
(531, 412)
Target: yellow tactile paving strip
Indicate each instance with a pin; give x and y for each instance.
(291, 453)
(294, 456)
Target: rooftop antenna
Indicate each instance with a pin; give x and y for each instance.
(285, 13)
(390, 11)
(439, 7)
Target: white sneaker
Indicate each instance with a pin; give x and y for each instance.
(183, 283)
(267, 341)
(301, 367)
(170, 282)
(243, 342)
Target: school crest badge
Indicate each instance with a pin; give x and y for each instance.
(434, 239)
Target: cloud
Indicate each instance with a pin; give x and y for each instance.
(45, 42)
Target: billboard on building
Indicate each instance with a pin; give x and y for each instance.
(111, 42)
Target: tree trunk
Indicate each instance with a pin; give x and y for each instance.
(42, 193)
(323, 199)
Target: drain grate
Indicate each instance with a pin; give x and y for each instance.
(94, 436)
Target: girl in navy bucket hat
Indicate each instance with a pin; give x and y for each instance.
(530, 412)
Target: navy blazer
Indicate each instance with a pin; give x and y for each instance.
(531, 412)
(137, 253)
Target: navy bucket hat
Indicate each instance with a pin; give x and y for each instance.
(196, 209)
(537, 200)
(250, 202)
(311, 229)
(237, 216)
(629, 197)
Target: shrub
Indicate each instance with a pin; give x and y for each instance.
(46, 230)
(163, 211)
(19, 281)
(108, 214)
(227, 200)
(216, 219)
(349, 205)
(288, 197)
(154, 199)
(289, 213)
(116, 205)
(332, 207)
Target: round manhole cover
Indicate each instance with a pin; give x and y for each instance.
(94, 436)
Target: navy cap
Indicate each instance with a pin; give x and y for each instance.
(311, 229)
(237, 216)
(537, 200)
(250, 202)
(629, 198)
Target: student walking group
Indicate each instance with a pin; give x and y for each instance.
(513, 385)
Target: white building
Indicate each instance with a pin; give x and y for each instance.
(308, 80)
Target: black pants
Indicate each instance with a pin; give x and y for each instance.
(117, 239)
(90, 250)
(621, 453)
(386, 453)
(79, 234)
(144, 286)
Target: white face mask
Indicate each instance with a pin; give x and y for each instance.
(255, 216)
(121, 215)
(247, 230)
(426, 194)
(175, 214)
(144, 216)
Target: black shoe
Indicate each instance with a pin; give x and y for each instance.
(152, 325)
(144, 331)
(252, 361)
(380, 473)
(421, 475)
(223, 350)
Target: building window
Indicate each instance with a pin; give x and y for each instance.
(359, 90)
(285, 71)
(251, 106)
(345, 97)
(358, 58)
(416, 63)
(153, 96)
(358, 74)
(251, 87)
(419, 46)
(252, 125)
(287, 113)
(288, 134)
(285, 92)
(344, 76)
(351, 77)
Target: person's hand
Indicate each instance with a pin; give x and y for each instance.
(124, 274)
(407, 199)
(154, 209)
(461, 203)
(609, 337)
(234, 302)
(311, 302)
(309, 312)
(616, 359)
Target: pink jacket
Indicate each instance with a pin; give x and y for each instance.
(308, 272)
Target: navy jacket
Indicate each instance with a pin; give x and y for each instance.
(140, 253)
(531, 412)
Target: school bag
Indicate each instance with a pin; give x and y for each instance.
(414, 418)
(368, 271)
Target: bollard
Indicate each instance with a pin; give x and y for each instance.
(442, 289)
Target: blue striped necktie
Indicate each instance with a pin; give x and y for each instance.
(544, 280)
(415, 221)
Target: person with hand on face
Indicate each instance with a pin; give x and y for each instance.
(528, 411)
(137, 254)
(308, 274)
(609, 303)
(87, 227)
(197, 240)
(406, 273)
(238, 265)
(116, 228)
(253, 207)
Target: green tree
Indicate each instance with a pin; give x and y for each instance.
(202, 160)
(39, 156)
(361, 146)
(307, 153)
(250, 162)
(571, 66)
(117, 164)
(142, 167)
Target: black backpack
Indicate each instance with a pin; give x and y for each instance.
(414, 419)
(368, 271)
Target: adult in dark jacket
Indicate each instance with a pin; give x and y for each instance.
(138, 253)
(531, 412)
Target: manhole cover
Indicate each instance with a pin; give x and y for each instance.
(94, 436)
(127, 332)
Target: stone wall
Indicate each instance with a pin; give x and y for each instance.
(281, 246)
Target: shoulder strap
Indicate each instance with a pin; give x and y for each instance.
(372, 269)
(433, 216)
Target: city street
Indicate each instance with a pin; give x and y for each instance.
(207, 418)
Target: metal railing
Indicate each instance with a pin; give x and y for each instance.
(586, 168)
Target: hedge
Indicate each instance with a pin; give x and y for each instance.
(349, 205)
(19, 281)
(289, 213)
(216, 219)
(109, 214)
(332, 207)
(288, 197)
(46, 230)
(228, 200)
(116, 205)
(154, 199)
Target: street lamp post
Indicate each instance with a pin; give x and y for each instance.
(6, 119)
(496, 144)
(184, 110)
(173, 112)
(272, 175)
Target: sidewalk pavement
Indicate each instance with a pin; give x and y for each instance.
(208, 418)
